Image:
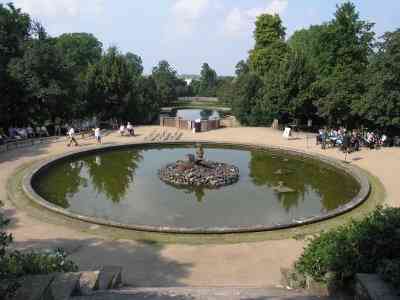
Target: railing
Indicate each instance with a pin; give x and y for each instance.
(26, 143)
(179, 123)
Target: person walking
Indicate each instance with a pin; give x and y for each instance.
(129, 127)
(122, 130)
(97, 135)
(71, 137)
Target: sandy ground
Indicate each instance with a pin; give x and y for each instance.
(255, 264)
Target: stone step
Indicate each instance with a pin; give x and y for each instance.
(183, 293)
(34, 287)
(88, 282)
(110, 277)
(64, 286)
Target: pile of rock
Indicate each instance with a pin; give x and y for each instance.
(202, 173)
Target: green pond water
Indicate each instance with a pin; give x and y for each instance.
(123, 186)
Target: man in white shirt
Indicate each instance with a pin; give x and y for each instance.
(71, 137)
(97, 135)
(122, 130)
(129, 127)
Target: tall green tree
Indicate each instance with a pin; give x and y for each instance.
(208, 81)
(80, 49)
(269, 29)
(381, 104)
(225, 89)
(15, 29)
(343, 83)
(135, 64)
(143, 103)
(45, 80)
(241, 67)
(246, 89)
(314, 43)
(287, 92)
(270, 47)
(165, 77)
(108, 84)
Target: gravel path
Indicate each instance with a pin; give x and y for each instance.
(256, 264)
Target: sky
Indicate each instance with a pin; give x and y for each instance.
(188, 33)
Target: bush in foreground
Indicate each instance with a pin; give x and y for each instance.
(14, 264)
(370, 245)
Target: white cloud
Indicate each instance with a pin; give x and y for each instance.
(187, 13)
(241, 22)
(190, 10)
(60, 8)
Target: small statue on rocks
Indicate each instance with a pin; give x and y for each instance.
(199, 152)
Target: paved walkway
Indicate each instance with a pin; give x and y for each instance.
(254, 264)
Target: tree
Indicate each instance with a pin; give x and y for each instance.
(143, 104)
(270, 47)
(269, 29)
(287, 91)
(108, 84)
(381, 104)
(80, 49)
(15, 29)
(343, 83)
(246, 90)
(208, 81)
(338, 52)
(195, 87)
(135, 64)
(225, 89)
(45, 80)
(263, 60)
(165, 77)
(313, 43)
(242, 67)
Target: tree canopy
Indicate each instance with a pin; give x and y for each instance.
(332, 73)
(45, 78)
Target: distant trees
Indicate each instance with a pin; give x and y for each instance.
(47, 79)
(165, 77)
(335, 73)
(208, 81)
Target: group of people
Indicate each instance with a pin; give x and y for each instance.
(72, 139)
(127, 129)
(350, 141)
(18, 133)
(26, 132)
(21, 133)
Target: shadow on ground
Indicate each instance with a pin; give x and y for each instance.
(143, 264)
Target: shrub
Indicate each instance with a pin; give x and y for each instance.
(390, 271)
(359, 247)
(14, 264)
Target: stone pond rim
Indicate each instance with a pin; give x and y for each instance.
(356, 173)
